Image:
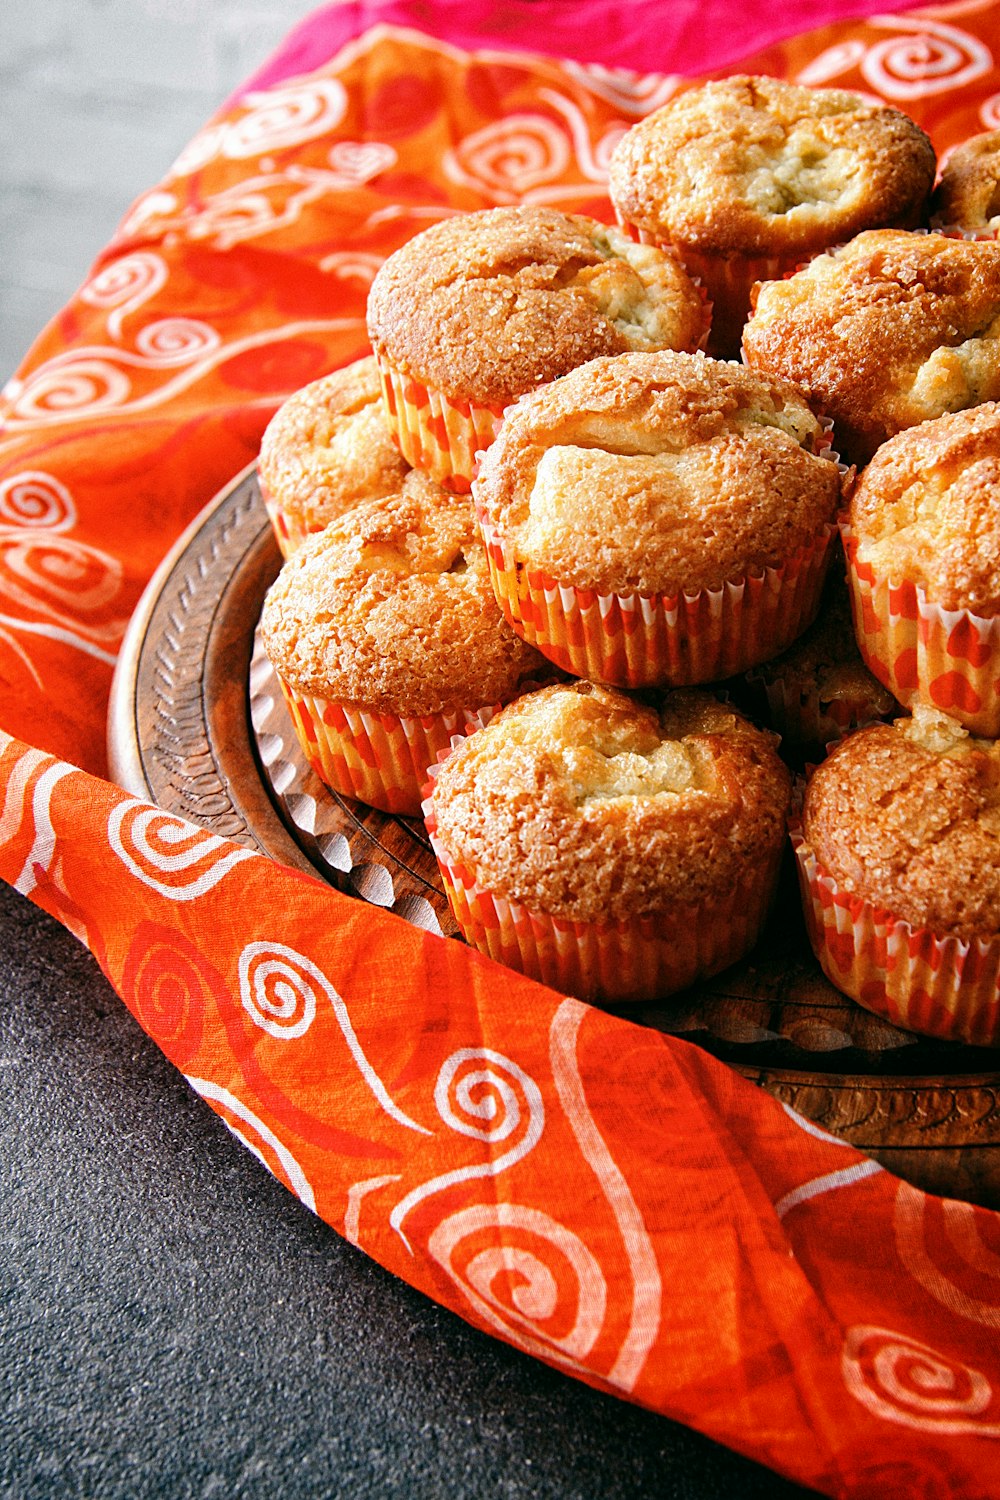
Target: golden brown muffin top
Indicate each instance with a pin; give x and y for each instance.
(579, 801)
(888, 331)
(485, 306)
(657, 472)
(968, 194)
(907, 816)
(391, 608)
(927, 509)
(755, 166)
(825, 663)
(328, 446)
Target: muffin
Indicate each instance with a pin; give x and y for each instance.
(483, 307)
(325, 449)
(922, 537)
(967, 198)
(613, 850)
(899, 863)
(659, 518)
(386, 640)
(747, 177)
(888, 331)
(820, 689)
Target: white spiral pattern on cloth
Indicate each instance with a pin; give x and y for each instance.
(36, 500)
(978, 1301)
(278, 989)
(62, 579)
(358, 162)
(283, 117)
(510, 156)
(74, 387)
(481, 1094)
(168, 854)
(912, 1385)
(632, 93)
(527, 1276)
(199, 151)
(259, 1139)
(931, 58)
(840, 58)
(176, 341)
(989, 112)
(131, 279)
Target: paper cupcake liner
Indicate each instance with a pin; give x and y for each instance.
(379, 758)
(944, 658)
(628, 961)
(288, 531)
(804, 717)
(940, 986)
(957, 232)
(677, 640)
(435, 434)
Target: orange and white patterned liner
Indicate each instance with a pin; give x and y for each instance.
(923, 653)
(616, 962)
(433, 432)
(804, 717)
(379, 758)
(654, 640)
(941, 986)
(288, 532)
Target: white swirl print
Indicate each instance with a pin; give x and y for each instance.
(283, 117)
(631, 93)
(356, 1194)
(909, 1383)
(352, 265)
(259, 1139)
(840, 58)
(279, 987)
(43, 845)
(358, 162)
(199, 151)
(67, 581)
(36, 499)
(176, 341)
(77, 388)
(989, 113)
(125, 284)
(510, 157)
(928, 57)
(594, 161)
(15, 793)
(173, 857)
(481, 1094)
(910, 1228)
(647, 1285)
(528, 1277)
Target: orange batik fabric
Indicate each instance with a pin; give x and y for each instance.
(610, 1200)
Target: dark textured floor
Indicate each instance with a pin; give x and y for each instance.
(172, 1322)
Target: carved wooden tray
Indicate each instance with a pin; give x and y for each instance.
(197, 725)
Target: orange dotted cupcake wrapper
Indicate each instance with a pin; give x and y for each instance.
(944, 658)
(434, 433)
(289, 533)
(379, 758)
(650, 640)
(940, 986)
(636, 960)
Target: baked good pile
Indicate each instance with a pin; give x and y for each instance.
(561, 569)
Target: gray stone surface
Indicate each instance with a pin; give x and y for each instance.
(174, 1323)
(97, 97)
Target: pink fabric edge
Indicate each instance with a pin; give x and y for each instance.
(696, 36)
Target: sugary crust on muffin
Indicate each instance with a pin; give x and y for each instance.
(579, 801)
(825, 664)
(752, 165)
(658, 472)
(485, 306)
(328, 446)
(391, 608)
(968, 195)
(888, 331)
(908, 817)
(927, 509)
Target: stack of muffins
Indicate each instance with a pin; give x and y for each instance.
(648, 522)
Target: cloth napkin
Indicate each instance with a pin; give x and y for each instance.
(611, 1200)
